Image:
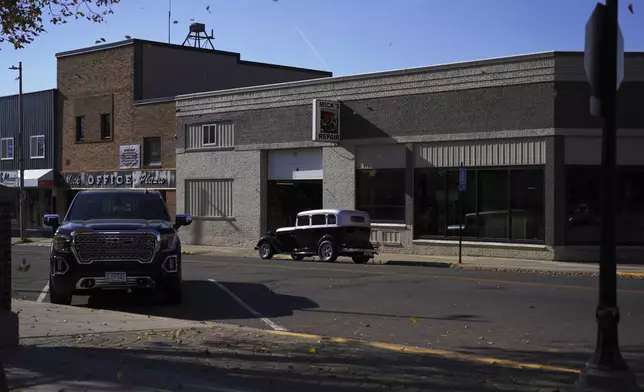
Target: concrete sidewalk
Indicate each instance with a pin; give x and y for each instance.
(633, 271)
(172, 355)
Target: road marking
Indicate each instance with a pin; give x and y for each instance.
(255, 313)
(429, 352)
(417, 275)
(43, 293)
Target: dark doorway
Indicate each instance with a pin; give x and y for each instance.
(287, 198)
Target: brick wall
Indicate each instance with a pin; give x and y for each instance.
(101, 82)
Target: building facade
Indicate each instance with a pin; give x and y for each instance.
(519, 126)
(118, 121)
(41, 147)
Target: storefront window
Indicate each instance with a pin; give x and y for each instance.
(498, 204)
(381, 193)
(527, 199)
(583, 205)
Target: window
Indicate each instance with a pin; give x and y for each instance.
(37, 147)
(583, 202)
(216, 135)
(106, 126)
(80, 128)
(210, 135)
(115, 205)
(318, 220)
(6, 144)
(499, 204)
(357, 219)
(152, 151)
(381, 193)
(583, 205)
(209, 198)
(303, 220)
(331, 220)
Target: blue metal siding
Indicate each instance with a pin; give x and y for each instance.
(39, 115)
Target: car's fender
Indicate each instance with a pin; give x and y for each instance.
(271, 240)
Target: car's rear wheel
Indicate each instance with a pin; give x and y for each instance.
(58, 298)
(297, 257)
(266, 250)
(360, 259)
(327, 252)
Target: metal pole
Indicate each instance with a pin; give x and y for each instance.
(607, 370)
(169, 19)
(21, 157)
(460, 218)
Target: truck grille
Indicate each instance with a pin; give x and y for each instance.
(118, 246)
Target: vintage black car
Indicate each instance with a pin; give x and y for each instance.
(115, 240)
(325, 233)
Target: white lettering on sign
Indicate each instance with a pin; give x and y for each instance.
(122, 179)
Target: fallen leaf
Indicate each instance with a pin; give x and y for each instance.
(414, 320)
(119, 377)
(312, 350)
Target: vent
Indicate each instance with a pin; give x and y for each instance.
(198, 38)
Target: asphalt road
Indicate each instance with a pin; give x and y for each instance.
(531, 318)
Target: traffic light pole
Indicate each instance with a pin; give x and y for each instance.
(607, 370)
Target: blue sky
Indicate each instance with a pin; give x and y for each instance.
(347, 36)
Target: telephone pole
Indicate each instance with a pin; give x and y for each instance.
(21, 155)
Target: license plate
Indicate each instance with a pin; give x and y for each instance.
(368, 253)
(115, 277)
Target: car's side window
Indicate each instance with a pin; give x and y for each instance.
(303, 220)
(318, 220)
(357, 219)
(330, 219)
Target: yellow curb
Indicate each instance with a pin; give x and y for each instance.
(631, 274)
(430, 352)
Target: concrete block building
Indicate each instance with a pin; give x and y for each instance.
(520, 126)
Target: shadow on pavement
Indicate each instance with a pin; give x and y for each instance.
(470, 318)
(255, 364)
(203, 300)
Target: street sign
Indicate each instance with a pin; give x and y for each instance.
(594, 50)
(462, 179)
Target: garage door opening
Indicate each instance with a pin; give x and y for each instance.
(287, 198)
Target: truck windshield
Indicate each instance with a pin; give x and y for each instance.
(114, 205)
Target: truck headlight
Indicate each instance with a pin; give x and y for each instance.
(168, 242)
(62, 243)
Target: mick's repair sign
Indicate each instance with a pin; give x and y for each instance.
(326, 121)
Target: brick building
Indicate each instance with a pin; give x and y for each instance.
(520, 126)
(118, 120)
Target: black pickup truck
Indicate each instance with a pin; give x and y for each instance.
(115, 240)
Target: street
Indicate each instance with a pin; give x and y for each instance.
(523, 317)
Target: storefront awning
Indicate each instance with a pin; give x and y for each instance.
(39, 178)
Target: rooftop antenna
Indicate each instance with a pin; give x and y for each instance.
(198, 38)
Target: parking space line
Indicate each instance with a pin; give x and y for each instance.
(43, 293)
(255, 313)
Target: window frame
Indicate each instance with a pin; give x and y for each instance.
(403, 172)
(31, 152)
(297, 221)
(146, 156)
(2, 149)
(81, 128)
(206, 128)
(475, 171)
(106, 131)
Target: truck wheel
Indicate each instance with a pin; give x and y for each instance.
(360, 259)
(173, 294)
(58, 298)
(266, 251)
(327, 252)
